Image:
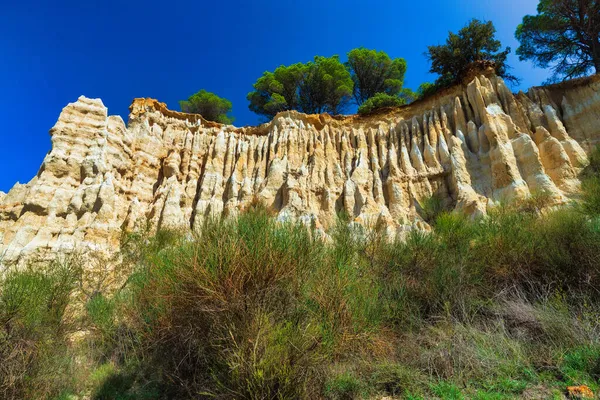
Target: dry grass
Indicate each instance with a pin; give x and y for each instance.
(250, 308)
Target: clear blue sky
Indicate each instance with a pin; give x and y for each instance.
(54, 51)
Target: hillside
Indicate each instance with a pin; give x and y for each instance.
(449, 249)
(471, 146)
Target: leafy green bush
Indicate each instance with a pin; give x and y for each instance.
(235, 296)
(380, 100)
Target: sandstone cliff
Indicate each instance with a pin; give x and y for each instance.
(473, 145)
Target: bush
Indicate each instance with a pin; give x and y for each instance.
(235, 297)
(35, 361)
(253, 308)
(380, 100)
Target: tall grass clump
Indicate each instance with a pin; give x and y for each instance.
(226, 314)
(35, 324)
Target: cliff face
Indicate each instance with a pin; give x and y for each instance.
(473, 145)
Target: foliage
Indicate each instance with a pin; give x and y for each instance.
(431, 208)
(473, 43)
(564, 35)
(373, 73)
(591, 185)
(323, 85)
(253, 308)
(278, 90)
(209, 105)
(35, 361)
(380, 100)
(343, 387)
(326, 87)
(427, 89)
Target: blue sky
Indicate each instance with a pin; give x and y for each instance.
(54, 51)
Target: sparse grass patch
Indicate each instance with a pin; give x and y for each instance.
(345, 386)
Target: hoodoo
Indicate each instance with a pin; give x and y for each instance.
(473, 145)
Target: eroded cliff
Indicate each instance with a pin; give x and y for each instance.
(473, 145)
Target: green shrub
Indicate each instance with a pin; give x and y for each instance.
(343, 387)
(35, 361)
(380, 100)
(590, 201)
(253, 308)
(235, 295)
(431, 208)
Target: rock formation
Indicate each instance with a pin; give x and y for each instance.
(472, 145)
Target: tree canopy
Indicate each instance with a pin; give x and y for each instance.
(326, 87)
(475, 42)
(564, 35)
(374, 72)
(322, 85)
(209, 105)
(277, 91)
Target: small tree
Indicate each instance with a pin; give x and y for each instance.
(327, 86)
(209, 105)
(565, 34)
(375, 72)
(475, 42)
(322, 85)
(277, 91)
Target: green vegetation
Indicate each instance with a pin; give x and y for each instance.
(373, 73)
(564, 35)
(209, 105)
(326, 87)
(35, 356)
(323, 85)
(380, 100)
(277, 91)
(495, 308)
(476, 42)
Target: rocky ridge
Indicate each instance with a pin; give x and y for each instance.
(472, 145)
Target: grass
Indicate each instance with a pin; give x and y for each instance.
(496, 308)
(35, 321)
